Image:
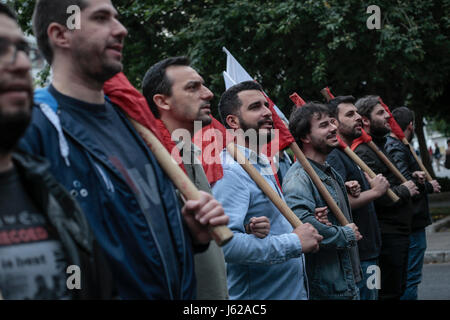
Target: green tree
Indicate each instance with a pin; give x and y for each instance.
(299, 45)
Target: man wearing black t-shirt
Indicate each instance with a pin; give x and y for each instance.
(38, 219)
(349, 128)
(95, 153)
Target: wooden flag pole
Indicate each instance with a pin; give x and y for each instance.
(386, 161)
(313, 175)
(318, 183)
(367, 170)
(327, 95)
(398, 132)
(263, 185)
(221, 234)
(427, 174)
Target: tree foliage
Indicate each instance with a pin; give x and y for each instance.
(298, 45)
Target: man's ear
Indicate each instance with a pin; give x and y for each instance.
(306, 140)
(410, 127)
(161, 101)
(58, 35)
(233, 121)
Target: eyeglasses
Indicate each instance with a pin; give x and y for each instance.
(9, 51)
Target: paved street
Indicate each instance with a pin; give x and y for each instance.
(435, 282)
(443, 171)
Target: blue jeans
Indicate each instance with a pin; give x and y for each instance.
(364, 292)
(416, 253)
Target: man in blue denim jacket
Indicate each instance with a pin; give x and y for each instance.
(333, 271)
(273, 267)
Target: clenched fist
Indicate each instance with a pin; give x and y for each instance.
(309, 237)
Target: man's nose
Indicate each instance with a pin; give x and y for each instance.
(207, 94)
(119, 29)
(22, 62)
(267, 112)
(333, 126)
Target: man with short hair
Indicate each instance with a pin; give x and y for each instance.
(273, 267)
(333, 271)
(42, 229)
(349, 126)
(95, 152)
(177, 95)
(408, 166)
(394, 218)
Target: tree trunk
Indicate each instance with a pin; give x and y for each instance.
(423, 148)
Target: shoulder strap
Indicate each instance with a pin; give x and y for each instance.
(49, 106)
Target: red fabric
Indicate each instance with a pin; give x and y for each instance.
(395, 128)
(122, 93)
(283, 137)
(212, 139)
(365, 138)
(329, 93)
(298, 101)
(342, 144)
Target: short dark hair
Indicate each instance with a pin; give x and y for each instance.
(47, 12)
(156, 81)
(366, 104)
(229, 101)
(403, 116)
(300, 119)
(8, 11)
(334, 104)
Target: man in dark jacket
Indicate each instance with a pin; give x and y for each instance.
(46, 247)
(349, 125)
(394, 219)
(95, 153)
(408, 166)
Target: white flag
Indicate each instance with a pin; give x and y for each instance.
(236, 74)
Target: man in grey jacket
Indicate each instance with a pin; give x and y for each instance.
(335, 269)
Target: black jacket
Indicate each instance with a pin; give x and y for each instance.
(394, 218)
(66, 217)
(407, 164)
(365, 217)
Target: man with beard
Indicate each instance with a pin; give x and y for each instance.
(333, 271)
(349, 125)
(273, 267)
(177, 95)
(95, 153)
(42, 230)
(394, 219)
(408, 166)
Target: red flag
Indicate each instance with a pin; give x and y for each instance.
(283, 137)
(364, 138)
(329, 93)
(212, 139)
(395, 128)
(342, 144)
(298, 101)
(122, 93)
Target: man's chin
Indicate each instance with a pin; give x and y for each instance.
(110, 70)
(206, 120)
